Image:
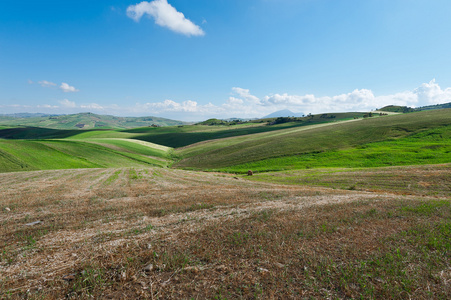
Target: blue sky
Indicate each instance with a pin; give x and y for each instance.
(196, 59)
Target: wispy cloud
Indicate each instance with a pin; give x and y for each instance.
(67, 88)
(93, 106)
(67, 103)
(165, 15)
(45, 83)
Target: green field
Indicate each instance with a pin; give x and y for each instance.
(320, 141)
(182, 136)
(26, 155)
(389, 140)
(133, 146)
(429, 147)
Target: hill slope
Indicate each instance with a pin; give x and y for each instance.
(300, 143)
(296, 143)
(84, 121)
(26, 155)
(187, 135)
(437, 106)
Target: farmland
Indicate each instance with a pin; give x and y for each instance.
(342, 209)
(332, 142)
(159, 233)
(407, 139)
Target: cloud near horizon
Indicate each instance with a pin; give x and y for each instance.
(67, 103)
(165, 15)
(241, 103)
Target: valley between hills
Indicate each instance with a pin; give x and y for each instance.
(340, 206)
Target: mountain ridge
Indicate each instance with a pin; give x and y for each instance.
(86, 120)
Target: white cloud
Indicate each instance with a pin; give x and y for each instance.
(244, 93)
(47, 106)
(67, 88)
(362, 100)
(234, 101)
(244, 104)
(45, 83)
(172, 106)
(94, 106)
(64, 86)
(67, 103)
(165, 15)
(431, 93)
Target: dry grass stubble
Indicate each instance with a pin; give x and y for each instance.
(204, 234)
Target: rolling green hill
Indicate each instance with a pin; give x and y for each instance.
(405, 109)
(327, 140)
(312, 146)
(437, 106)
(397, 109)
(84, 121)
(26, 155)
(182, 136)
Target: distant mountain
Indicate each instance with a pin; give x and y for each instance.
(283, 113)
(84, 121)
(26, 115)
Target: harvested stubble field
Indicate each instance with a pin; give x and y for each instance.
(159, 233)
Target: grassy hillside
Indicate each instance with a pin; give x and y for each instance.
(24, 133)
(267, 145)
(174, 136)
(405, 109)
(133, 146)
(290, 144)
(187, 135)
(430, 180)
(437, 106)
(24, 155)
(85, 121)
(182, 136)
(429, 147)
(396, 108)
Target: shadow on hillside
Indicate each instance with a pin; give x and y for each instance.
(31, 133)
(182, 139)
(179, 137)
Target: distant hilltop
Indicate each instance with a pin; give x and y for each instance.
(83, 121)
(406, 109)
